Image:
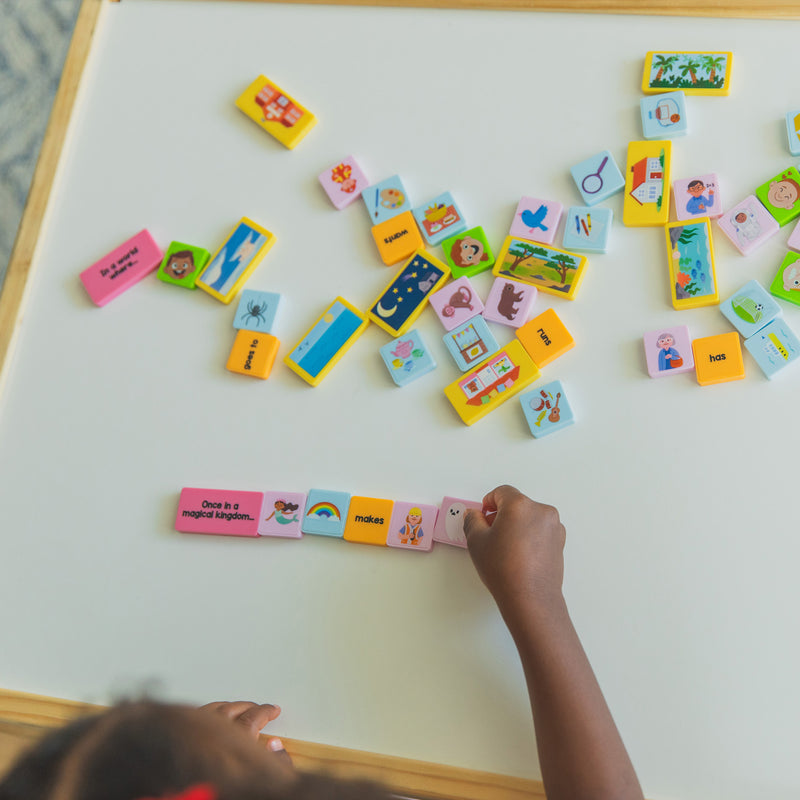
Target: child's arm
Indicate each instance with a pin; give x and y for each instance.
(518, 553)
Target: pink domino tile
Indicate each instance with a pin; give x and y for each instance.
(697, 196)
(456, 303)
(282, 515)
(536, 219)
(748, 225)
(412, 526)
(222, 511)
(450, 522)
(510, 302)
(794, 239)
(343, 182)
(668, 351)
(121, 268)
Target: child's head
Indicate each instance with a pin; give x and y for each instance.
(149, 750)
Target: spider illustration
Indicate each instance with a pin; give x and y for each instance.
(255, 311)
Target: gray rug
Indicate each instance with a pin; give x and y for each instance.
(34, 37)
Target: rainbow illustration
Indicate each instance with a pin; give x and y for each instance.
(324, 510)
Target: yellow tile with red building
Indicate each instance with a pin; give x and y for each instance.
(276, 112)
(491, 383)
(647, 183)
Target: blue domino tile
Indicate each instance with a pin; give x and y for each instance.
(326, 512)
(547, 409)
(664, 115)
(256, 311)
(407, 358)
(470, 343)
(386, 199)
(793, 131)
(774, 347)
(440, 219)
(750, 309)
(587, 230)
(598, 178)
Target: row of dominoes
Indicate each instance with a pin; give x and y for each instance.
(366, 520)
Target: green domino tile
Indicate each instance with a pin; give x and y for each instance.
(468, 253)
(781, 195)
(182, 264)
(786, 283)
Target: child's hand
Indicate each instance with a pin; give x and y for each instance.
(252, 717)
(519, 550)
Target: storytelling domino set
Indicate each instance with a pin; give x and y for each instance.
(364, 520)
(528, 262)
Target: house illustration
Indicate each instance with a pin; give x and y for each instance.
(278, 107)
(648, 180)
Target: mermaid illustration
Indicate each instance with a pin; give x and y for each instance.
(284, 513)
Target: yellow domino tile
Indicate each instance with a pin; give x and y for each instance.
(690, 253)
(253, 353)
(545, 338)
(235, 260)
(718, 359)
(647, 184)
(492, 382)
(549, 269)
(690, 71)
(397, 238)
(368, 520)
(402, 301)
(328, 339)
(276, 112)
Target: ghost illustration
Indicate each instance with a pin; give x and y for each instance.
(454, 523)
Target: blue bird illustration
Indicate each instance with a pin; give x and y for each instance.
(534, 219)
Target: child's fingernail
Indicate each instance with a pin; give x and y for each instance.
(275, 745)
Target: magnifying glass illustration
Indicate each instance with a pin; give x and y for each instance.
(593, 182)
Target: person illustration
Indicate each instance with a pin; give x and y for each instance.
(412, 531)
(746, 225)
(698, 204)
(180, 265)
(468, 251)
(784, 192)
(668, 356)
(284, 512)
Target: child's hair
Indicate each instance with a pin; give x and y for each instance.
(150, 750)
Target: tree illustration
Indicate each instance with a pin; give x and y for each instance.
(562, 263)
(712, 64)
(691, 66)
(519, 251)
(664, 64)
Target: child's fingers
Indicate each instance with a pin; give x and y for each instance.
(257, 716)
(498, 497)
(253, 716)
(474, 523)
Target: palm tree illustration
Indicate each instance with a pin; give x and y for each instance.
(712, 64)
(691, 67)
(664, 63)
